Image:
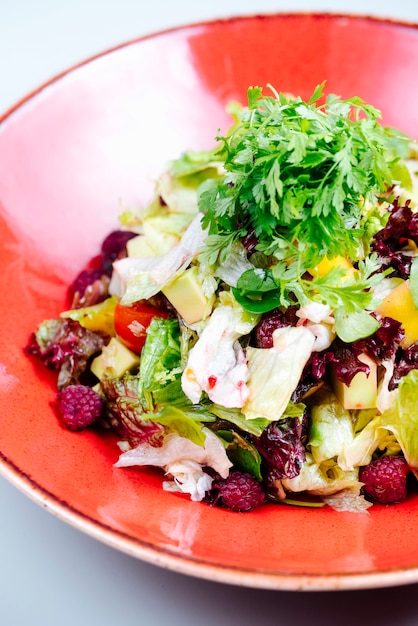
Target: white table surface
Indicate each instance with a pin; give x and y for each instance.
(52, 574)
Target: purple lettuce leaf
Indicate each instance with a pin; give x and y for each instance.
(125, 413)
(281, 448)
(66, 346)
(390, 241)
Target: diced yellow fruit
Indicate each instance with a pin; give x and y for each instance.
(114, 360)
(400, 306)
(362, 392)
(138, 247)
(97, 317)
(326, 265)
(186, 295)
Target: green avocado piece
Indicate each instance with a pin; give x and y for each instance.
(114, 360)
(362, 392)
(187, 296)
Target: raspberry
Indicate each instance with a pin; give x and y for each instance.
(240, 491)
(114, 245)
(79, 406)
(385, 479)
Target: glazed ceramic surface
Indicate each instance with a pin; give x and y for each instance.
(94, 139)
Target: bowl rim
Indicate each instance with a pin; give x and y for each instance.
(195, 567)
(355, 17)
(152, 554)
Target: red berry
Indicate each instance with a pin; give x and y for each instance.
(240, 491)
(79, 406)
(114, 245)
(385, 479)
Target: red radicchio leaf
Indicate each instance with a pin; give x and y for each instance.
(281, 447)
(390, 240)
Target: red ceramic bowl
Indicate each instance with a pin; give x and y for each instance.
(69, 154)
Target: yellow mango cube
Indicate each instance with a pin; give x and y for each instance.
(399, 305)
(326, 265)
(97, 317)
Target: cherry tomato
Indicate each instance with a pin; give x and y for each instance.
(131, 323)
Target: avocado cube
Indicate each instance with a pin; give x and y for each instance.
(114, 360)
(186, 295)
(362, 392)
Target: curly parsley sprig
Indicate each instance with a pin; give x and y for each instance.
(298, 175)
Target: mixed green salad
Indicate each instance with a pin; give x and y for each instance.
(253, 331)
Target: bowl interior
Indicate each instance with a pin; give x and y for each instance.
(70, 156)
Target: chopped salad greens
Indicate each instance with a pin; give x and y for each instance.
(253, 332)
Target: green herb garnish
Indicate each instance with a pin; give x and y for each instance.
(299, 176)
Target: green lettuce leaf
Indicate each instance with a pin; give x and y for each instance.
(159, 383)
(254, 426)
(160, 357)
(242, 453)
(174, 419)
(160, 362)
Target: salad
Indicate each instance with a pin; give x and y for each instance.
(253, 331)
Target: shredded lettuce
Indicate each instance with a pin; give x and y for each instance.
(141, 278)
(322, 479)
(176, 420)
(155, 394)
(362, 447)
(275, 372)
(331, 430)
(178, 186)
(177, 448)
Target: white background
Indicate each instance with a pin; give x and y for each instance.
(50, 573)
